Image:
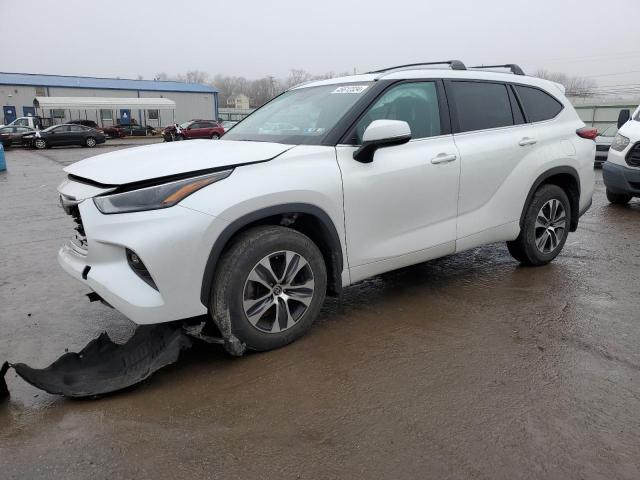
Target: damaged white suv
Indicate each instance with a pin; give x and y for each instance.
(328, 184)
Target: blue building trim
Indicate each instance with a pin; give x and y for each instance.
(63, 81)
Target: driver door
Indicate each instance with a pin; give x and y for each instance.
(401, 208)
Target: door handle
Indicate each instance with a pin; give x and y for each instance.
(443, 158)
(527, 141)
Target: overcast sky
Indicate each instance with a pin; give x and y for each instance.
(253, 38)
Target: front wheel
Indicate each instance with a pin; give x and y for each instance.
(215, 136)
(269, 287)
(618, 198)
(40, 144)
(545, 227)
(179, 137)
(90, 142)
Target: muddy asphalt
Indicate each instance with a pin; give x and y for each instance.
(465, 367)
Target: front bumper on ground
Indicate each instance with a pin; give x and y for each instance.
(620, 179)
(174, 244)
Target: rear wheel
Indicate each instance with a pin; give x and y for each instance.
(618, 198)
(269, 287)
(215, 136)
(40, 144)
(545, 227)
(90, 142)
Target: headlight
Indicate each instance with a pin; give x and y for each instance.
(158, 196)
(619, 143)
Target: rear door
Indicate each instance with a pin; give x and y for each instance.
(400, 209)
(198, 130)
(494, 141)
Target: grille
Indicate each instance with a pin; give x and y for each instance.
(78, 240)
(633, 157)
(603, 148)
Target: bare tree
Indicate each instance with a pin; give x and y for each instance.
(575, 86)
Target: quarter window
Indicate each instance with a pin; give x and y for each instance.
(537, 104)
(415, 103)
(481, 105)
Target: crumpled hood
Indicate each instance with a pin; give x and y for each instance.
(162, 160)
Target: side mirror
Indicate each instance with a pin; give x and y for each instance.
(623, 117)
(379, 134)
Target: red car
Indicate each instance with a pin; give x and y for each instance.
(114, 131)
(194, 129)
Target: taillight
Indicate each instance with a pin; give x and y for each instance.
(587, 132)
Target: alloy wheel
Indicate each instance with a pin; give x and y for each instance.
(41, 143)
(278, 291)
(550, 226)
(91, 142)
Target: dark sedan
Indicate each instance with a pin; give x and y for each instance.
(62, 135)
(137, 130)
(10, 136)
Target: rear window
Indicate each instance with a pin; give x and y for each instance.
(537, 104)
(481, 105)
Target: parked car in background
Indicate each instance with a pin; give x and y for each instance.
(370, 173)
(11, 135)
(603, 143)
(194, 129)
(134, 130)
(114, 131)
(33, 122)
(621, 171)
(66, 134)
(86, 123)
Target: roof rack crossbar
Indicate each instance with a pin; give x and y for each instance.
(515, 69)
(453, 64)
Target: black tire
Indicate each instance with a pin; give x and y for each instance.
(618, 198)
(40, 144)
(524, 248)
(90, 142)
(179, 137)
(215, 136)
(231, 278)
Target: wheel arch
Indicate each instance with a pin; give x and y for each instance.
(305, 218)
(566, 178)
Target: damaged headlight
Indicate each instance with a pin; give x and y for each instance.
(158, 196)
(619, 143)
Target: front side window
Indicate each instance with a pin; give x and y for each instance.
(22, 122)
(538, 105)
(300, 116)
(415, 103)
(481, 105)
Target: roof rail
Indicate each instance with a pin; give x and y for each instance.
(515, 69)
(453, 64)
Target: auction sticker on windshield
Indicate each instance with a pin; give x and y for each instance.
(351, 89)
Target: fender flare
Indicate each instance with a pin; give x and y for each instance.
(329, 230)
(545, 176)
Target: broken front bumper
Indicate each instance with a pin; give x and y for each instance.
(173, 243)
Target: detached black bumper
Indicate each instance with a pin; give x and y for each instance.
(620, 179)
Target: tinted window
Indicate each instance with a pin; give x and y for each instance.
(75, 128)
(518, 117)
(537, 104)
(415, 103)
(481, 105)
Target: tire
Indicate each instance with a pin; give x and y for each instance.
(546, 223)
(618, 198)
(90, 142)
(40, 144)
(215, 136)
(250, 307)
(179, 138)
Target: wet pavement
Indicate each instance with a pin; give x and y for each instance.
(464, 367)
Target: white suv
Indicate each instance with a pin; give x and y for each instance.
(329, 183)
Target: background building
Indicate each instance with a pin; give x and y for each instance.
(18, 91)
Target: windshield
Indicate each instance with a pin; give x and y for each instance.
(301, 116)
(186, 124)
(610, 131)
